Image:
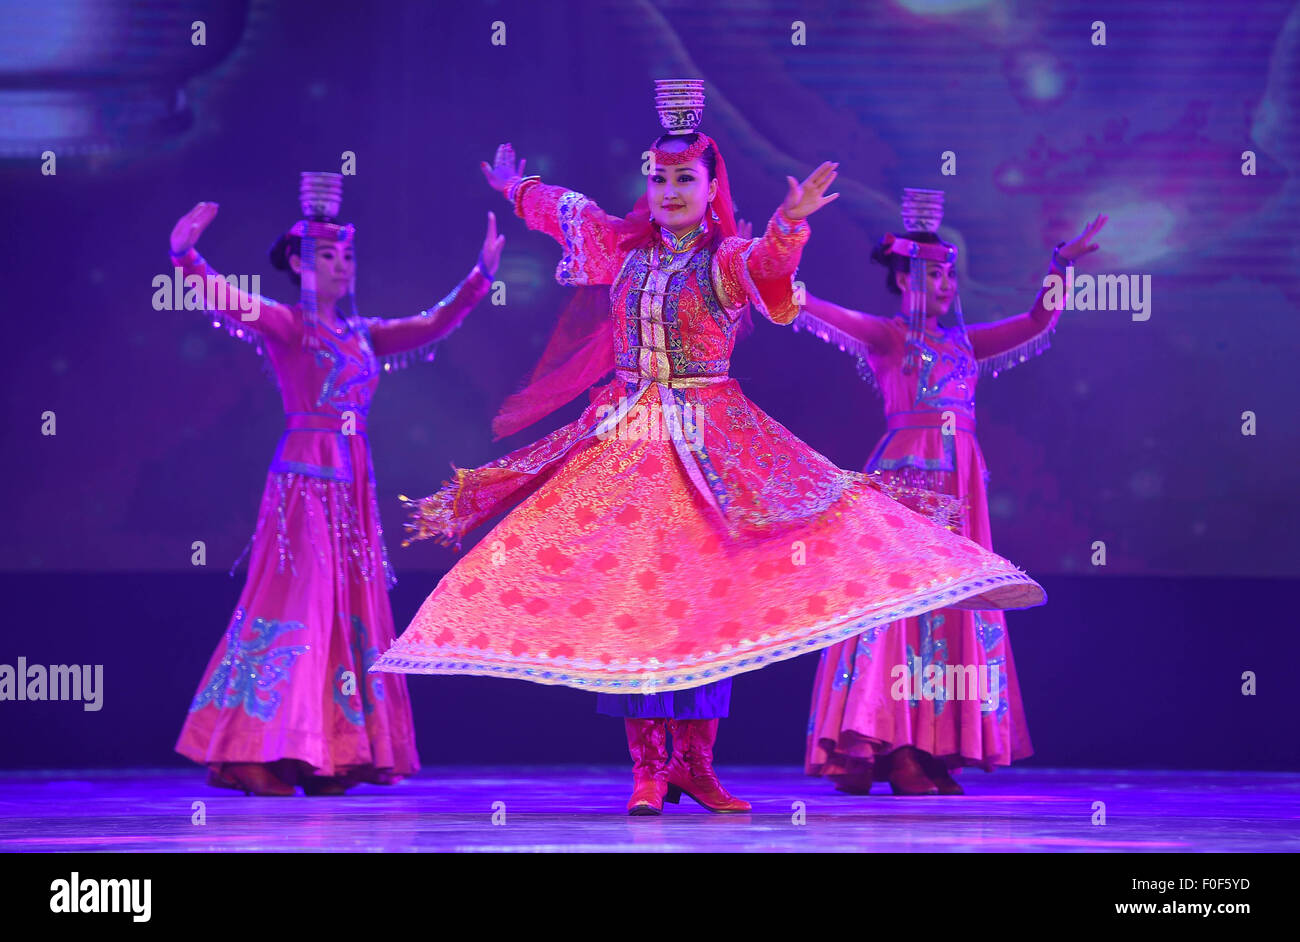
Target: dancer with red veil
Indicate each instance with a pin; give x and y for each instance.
(674, 535)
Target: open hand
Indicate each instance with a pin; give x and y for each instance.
(806, 198)
(492, 244)
(1083, 244)
(504, 168)
(186, 232)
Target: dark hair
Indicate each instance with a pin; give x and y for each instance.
(900, 263)
(285, 246)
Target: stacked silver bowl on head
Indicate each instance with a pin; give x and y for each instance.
(922, 209)
(680, 103)
(320, 195)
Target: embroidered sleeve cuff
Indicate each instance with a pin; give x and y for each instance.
(786, 224)
(517, 191)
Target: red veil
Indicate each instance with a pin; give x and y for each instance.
(581, 349)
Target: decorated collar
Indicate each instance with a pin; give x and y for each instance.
(688, 241)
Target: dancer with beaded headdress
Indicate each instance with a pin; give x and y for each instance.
(912, 701)
(286, 698)
(674, 535)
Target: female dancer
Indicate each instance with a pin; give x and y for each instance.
(674, 535)
(908, 702)
(286, 699)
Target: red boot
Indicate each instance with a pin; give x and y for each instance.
(647, 742)
(690, 770)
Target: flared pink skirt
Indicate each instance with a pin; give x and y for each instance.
(871, 694)
(289, 678)
(615, 575)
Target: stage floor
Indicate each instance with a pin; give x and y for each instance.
(581, 809)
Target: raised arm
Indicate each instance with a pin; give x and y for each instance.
(867, 331)
(246, 315)
(586, 233)
(762, 269)
(1002, 344)
(398, 341)
(998, 338)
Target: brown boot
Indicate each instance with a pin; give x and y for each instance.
(254, 778)
(936, 770)
(647, 742)
(324, 785)
(690, 771)
(854, 783)
(906, 777)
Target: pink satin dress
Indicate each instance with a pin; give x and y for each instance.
(871, 693)
(645, 553)
(289, 677)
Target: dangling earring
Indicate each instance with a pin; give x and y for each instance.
(713, 212)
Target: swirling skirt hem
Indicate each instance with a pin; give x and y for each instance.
(983, 593)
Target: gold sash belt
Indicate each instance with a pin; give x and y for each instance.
(674, 382)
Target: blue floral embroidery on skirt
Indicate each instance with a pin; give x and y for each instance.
(933, 651)
(864, 642)
(369, 685)
(1004, 706)
(251, 668)
(990, 633)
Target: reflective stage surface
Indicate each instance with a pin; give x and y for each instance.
(528, 809)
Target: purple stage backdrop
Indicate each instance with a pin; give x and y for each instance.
(1164, 433)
